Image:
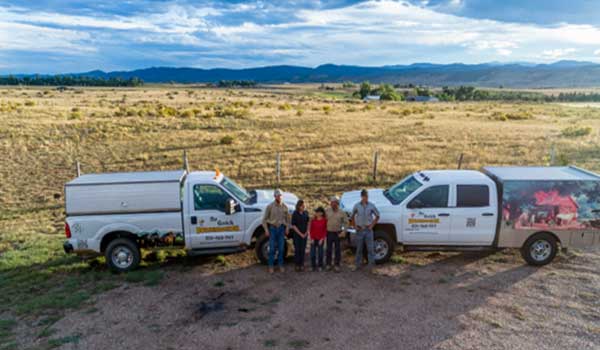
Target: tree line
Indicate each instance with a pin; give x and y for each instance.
(470, 93)
(236, 83)
(69, 80)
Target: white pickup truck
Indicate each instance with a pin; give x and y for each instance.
(207, 213)
(531, 208)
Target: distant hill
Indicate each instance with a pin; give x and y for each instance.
(559, 74)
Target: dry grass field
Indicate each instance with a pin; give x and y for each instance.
(326, 144)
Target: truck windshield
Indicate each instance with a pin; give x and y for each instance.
(236, 189)
(397, 193)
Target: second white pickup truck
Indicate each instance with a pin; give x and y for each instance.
(531, 208)
(207, 213)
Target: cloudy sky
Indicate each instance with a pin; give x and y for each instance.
(58, 36)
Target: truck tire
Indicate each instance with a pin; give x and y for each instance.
(384, 247)
(262, 249)
(122, 255)
(540, 249)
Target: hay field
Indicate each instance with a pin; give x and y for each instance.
(326, 145)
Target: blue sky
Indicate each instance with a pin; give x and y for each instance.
(58, 36)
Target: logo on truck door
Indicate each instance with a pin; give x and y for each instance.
(425, 219)
(217, 229)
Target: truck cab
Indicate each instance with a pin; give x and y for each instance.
(433, 208)
(220, 213)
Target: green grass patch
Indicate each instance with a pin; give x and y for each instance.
(146, 276)
(576, 131)
(397, 259)
(58, 342)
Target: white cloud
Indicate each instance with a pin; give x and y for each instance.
(18, 36)
(369, 33)
(558, 53)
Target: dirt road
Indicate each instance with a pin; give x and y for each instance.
(431, 300)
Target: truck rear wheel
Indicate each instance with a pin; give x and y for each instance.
(262, 249)
(540, 249)
(122, 255)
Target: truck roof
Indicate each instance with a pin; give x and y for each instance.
(129, 177)
(443, 176)
(541, 173)
(205, 175)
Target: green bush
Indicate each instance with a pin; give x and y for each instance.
(226, 140)
(576, 131)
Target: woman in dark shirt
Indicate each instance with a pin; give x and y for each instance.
(299, 229)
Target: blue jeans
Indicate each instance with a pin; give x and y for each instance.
(316, 254)
(276, 242)
(365, 236)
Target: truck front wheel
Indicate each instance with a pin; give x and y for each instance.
(540, 249)
(262, 249)
(122, 255)
(383, 246)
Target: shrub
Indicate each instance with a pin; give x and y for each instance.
(226, 140)
(166, 111)
(576, 131)
(285, 107)
(188, 113)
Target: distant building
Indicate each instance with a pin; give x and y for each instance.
(372, 98)
(422, 99)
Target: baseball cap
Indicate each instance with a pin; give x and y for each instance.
(277, 192)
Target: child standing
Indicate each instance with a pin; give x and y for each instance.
(300, 234)
(317, 232)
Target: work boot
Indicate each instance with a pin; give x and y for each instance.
(354, 268)
(271, 270)
(281, 269)
(336, 268)
(328, 268)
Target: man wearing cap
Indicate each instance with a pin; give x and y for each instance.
(276, 224)
(337, 222)
(365, 216)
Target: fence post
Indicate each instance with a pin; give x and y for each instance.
(78, 168)
(186, 165)
(460, 159)
(375, 159)
(278, 168)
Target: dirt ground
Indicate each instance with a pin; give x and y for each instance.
(424, 301)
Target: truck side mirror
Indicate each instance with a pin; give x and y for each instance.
(230, 207)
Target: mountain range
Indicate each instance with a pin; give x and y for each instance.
(519, 74)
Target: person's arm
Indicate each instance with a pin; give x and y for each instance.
(344, 222)
(287, 220)
(375, 212)
(353, 217)
(265, 218)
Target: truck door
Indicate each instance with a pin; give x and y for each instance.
(475, 215)
(426, 219)
(208, 225)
